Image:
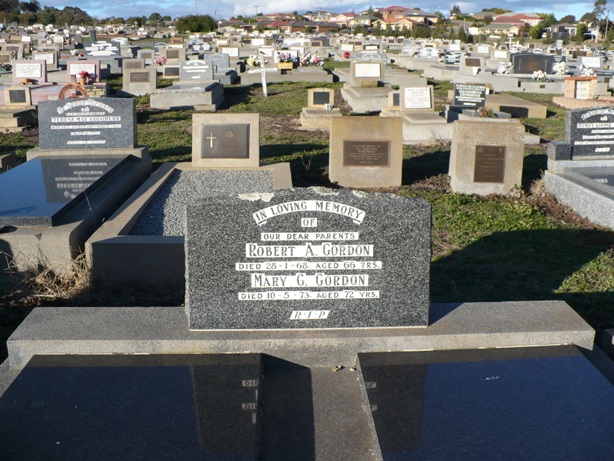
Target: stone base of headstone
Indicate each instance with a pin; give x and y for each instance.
(115, 253)
(318, 119)
(16, 120)
(141, 152)
(301, 74)
(579, 189)
(424, 127)
(55, 246)
(366, 99)
(184, 96)
(401, 77)
(572, 103)
(516, 107)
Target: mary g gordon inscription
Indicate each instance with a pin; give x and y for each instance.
(308, 258)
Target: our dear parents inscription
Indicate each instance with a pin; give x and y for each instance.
(310, 258)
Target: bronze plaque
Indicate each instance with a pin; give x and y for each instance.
(225, 141)
(396, 99)
(172, 54)
(489, 164)
(17, 96)
(171, 71)
(134, 65)
(534, 64)
(321, 97)
(366, 153)
(139, 77)
(472, 62)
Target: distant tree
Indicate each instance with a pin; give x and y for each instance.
(455, 11)
(420, 32)
(580, 31)
(155, 18)
(569, 19)
(496, 10)
(462, 35)
(487, 19)
(195, 23)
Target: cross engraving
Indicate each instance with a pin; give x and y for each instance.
(211, 138)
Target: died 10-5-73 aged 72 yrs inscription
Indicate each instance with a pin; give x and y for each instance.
(308, 258)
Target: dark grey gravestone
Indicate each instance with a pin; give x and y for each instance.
(217, 60)
(590, 132)
(100, 123)
(469, 95)
(195, 71)
(527, 63)
(308, 258)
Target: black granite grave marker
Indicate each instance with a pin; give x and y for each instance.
(469, 95)
(590, 132)
(101, 123)
(230, 140)
(18, 96)
(321, 97)
(527, 63)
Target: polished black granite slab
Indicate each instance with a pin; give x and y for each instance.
(39, 192)
(546, 403)
(187, 407)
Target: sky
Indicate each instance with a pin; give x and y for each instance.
(224, 9)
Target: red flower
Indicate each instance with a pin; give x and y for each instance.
(346, 54)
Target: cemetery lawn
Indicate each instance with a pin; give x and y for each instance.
(519, 247)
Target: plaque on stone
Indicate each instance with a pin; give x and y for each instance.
(225, 141)
(396, 99)
(469, 95)
(489, 166)
(139, 77)
(17, 96)
(133, 65)
(472, 62)
(172, 54)
(321, 97)
(527, 63)
(307, 258)
(171, 71)
(367, 70)
(366, 153)
(590, 132)
(417, 98)
(28, 70)
(583, 90)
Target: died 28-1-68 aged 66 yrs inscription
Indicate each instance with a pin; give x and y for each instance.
(308, 258)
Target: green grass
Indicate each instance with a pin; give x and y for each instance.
(520, 247)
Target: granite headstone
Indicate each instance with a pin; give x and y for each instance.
(308, 258)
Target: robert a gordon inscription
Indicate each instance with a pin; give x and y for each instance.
(310, 258)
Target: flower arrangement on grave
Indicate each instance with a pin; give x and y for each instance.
(160, 60)
(504, 68)
(539, 76)
(6, 66)
(286, 57)
(587, 71)
(346, 54)
(486, 112)
(84, 77)
(255, 61)
(307, 59)
(559, 68)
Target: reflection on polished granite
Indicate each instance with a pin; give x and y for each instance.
(40, 191)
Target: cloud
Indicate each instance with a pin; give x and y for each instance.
(227, 8)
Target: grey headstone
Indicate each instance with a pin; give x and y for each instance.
(527, 63)
(308, 258)
(195, 71)
(100, 123)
